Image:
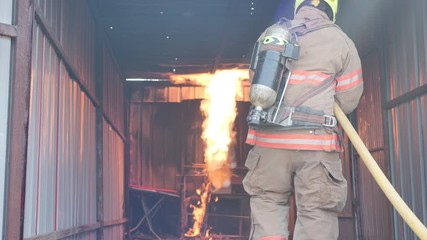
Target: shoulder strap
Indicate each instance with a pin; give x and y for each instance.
(314, 91)
(303, 28)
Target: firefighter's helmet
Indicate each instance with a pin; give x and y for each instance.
(330, 7)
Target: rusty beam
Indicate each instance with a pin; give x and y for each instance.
(8, 30)
(19, 113)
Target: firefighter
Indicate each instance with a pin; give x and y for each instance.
(303, 156)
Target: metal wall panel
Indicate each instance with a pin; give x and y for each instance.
(78, 39)
(113, 181)
(374, 206)
(407, 51)
(51, 11)
(158, 136)
(73, 26)
(5, 50)
(405, 72)
(408, 159)
(61, 174)
(114, 233)
(113, 91)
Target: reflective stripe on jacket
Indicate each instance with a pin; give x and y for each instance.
(324, 52)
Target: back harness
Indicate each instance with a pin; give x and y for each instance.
(295, 116)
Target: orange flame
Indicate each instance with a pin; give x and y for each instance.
(219, 109)
(199, 212)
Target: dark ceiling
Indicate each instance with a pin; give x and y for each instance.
(151, 38)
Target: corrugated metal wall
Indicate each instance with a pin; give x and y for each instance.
(113, 91)
(72, 25)
(375, 208)
(5, 56)
(157, 137)
(406, 107)
(113, 144)
(61, 174)
(113, 181)
(62, 196)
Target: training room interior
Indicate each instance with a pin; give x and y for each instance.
(106, 133)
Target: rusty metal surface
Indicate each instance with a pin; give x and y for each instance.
(373, 210)
(406, 108)
(19, 95)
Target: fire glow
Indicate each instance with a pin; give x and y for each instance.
(219, 110)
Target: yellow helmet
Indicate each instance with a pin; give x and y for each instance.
(332, 3)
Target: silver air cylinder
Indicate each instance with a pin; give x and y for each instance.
(269, 66)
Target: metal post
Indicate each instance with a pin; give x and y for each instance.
(19, 114)
(99, 72)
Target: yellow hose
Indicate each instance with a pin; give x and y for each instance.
(414, 223)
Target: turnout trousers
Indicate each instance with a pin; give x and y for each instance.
(316, 179)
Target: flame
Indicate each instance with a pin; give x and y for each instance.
(219, 109)
(199, 212)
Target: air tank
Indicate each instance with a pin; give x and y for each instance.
(268, 64)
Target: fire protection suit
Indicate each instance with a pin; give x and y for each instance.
(305, 161)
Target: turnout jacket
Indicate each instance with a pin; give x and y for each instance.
(325, 51)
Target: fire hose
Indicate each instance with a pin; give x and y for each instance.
(405, 212)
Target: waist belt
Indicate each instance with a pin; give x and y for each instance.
(298, 117)
(294, 117)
